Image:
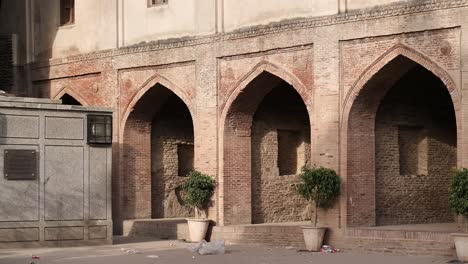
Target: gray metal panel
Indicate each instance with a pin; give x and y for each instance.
(64, 186)
(19, 199)
(97, 183)
(64, 128)
(19, 234)
(19, 126)
(64, 233)
(97, 232)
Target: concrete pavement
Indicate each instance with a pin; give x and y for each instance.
(162, 252)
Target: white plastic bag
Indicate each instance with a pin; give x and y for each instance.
(195, 248)
(212, 248)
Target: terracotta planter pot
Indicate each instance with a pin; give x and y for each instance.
(313, 237)
(461, 246)
(197, 229)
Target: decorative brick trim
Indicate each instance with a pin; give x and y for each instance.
(384, 59)
(276, 50)
(149, 84)
(70, 91)
(261, 67)
(69, 77)
(390, 10)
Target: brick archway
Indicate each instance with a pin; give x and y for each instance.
(358, 126)
(143, 89)
(383, 60)
(235, 183)
(133, 190)
(71, 92)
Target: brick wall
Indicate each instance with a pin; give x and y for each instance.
(419, 109)
(158, 122)
(136, 184)
(335, 63)
(281, 117)
(171, 146)
(370, 66)
(380, 194)
(238, 144)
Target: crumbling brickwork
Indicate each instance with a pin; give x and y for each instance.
(420, 101)
(413, 149)
(364, 94)
(158, 123)
(241, 95)
(281, 116)
(171, 147)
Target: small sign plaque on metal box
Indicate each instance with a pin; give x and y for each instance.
(20, 164)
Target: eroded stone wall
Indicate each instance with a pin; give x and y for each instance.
(280, 148)
(415, 151)
(171, 158)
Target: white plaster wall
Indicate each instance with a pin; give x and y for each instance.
(244, 13)
(360, 4)
(178, 18)
(107, 24)
(95, 28)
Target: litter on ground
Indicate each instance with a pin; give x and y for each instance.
(130, 251)
(209, 248)
(329, 249)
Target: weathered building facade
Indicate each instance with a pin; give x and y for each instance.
(251, 91)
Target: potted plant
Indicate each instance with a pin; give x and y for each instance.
(320, 186)
(459, 204)
(198, 188)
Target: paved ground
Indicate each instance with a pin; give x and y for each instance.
(176, 252)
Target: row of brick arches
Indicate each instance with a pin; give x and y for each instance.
(399, 136)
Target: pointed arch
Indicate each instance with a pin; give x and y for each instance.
(359, 135)
(385, 59)
(145, 87)
(137, 134)
(261, 67)
(71, 92)
(235, 124)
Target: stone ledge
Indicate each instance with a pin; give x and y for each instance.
(47, 104)
(158, 228)
(29, 100)
(399, 234)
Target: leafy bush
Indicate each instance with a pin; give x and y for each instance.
(319, 186)
(459, 192)
(199, 188)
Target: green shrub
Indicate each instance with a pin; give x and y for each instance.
(459, 192)
(199, 188)
(319, 186)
